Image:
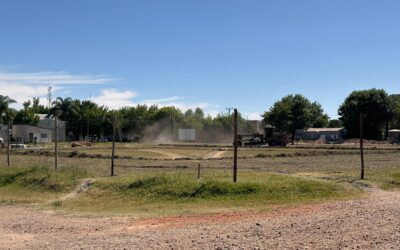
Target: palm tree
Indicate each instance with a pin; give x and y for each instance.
(64, 109)
(6, 113)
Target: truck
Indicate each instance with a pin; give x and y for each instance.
(267, 137)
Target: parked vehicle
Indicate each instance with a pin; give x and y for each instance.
(17, 145)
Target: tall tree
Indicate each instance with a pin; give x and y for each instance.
(374, 104)
(64, 109)
(27, 115)
(394, 111)
(295, 112)
(6, 113)
(335, 123)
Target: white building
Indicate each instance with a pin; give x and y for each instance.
(49, 123)
(31, 134)
(3, 132)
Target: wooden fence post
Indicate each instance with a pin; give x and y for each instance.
(198, 170)
(56, 143)
(235, 145)
(8, 143)
(362, 144)
(113, 146)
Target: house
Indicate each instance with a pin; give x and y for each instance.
(31, 134)
(394, 136)
(3, 133)
(329, 134)
(49, 123)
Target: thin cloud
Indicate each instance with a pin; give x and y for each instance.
(52, 78)
(169, 99)
(115, 99)
(24, 92)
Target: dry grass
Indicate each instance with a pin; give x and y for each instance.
(336, 164)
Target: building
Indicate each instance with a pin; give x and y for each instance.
(49, 123)
(3, 132)
(31, 134)
(394, 136)
(329, 134)
(186, 134)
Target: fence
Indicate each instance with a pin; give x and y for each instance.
(171, 155)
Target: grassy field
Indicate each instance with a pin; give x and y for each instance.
(161, 180)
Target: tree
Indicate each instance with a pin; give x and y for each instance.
(295, 112)
(27, 115)
(65, 109)
(374, 104)
(335, 123)
(394, 111)
(6, 113)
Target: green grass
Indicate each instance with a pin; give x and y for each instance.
(36, 184)
(146, 187)
(153, 194)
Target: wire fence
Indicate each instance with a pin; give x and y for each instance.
(171, 147)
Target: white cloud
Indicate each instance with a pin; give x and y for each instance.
(169, 99)
(22, 93)
(22, 86)
(51, 78)
(114, 99)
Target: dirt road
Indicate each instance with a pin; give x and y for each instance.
(372, 223)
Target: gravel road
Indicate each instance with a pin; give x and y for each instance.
(371, 223)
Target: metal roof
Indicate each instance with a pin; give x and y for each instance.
(323, 129)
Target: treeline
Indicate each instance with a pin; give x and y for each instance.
(87, 119)
(381, 112)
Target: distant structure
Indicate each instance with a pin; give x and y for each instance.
(394, 136)
(329, 134)
(3, 132)
(31, 134)
(49, 123)
(187, 134)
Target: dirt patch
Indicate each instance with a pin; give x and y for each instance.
(81, 188)
(372, 223)
(215, 154)
(172, 156)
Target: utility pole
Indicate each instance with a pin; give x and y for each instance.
(235, 144)
(56, 143)
(8, 143)
(229, 110)
(49, 96)
(113, 146)
(362, 144)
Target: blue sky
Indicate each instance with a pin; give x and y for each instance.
(212, 54)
